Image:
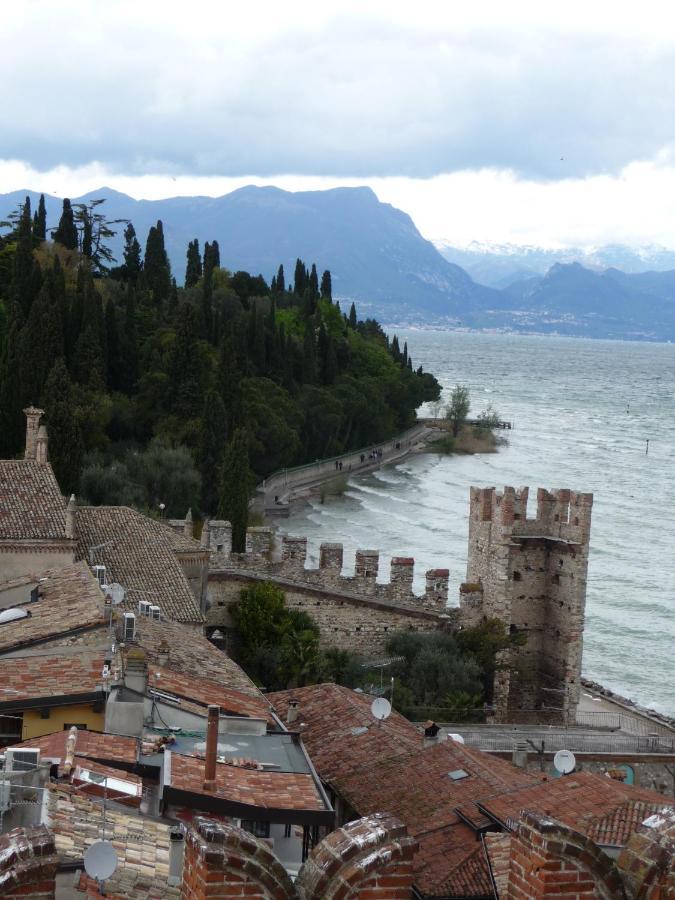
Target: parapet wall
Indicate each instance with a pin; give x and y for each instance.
(287, 559)
(560, 513)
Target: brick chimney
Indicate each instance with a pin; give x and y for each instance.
(33, 415)
(71, 511)
(211, 748)
(187, 525)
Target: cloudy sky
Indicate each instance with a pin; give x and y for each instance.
(528, 122)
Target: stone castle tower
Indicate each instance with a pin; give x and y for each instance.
(531, 574)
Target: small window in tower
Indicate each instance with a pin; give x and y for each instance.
(556, 578)
(517, 576)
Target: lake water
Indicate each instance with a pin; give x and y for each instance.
(583, 411)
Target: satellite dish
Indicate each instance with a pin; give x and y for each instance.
(116, 593)
(380, 708)
(457, 738)
(564, 762)
(100, 860)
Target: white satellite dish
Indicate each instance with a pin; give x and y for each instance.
(100, 860)
(564, 762)
(116, 593)
(380, 708)
(457, 738)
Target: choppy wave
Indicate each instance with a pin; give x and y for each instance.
(568, 399)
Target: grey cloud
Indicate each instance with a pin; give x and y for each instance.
(357, 99)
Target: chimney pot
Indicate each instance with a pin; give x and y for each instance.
(293, 711)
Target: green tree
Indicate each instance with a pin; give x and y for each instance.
(23, 280)
(43, 337)
(281, 280)
(133, 264)
(237, 483)
(326, 286)
(211, 450)
(485, 643)
(65, 437)
(193, 268)
(458, 408)
(66, 232)
(353, 321)
(40, 220)
(156, 266)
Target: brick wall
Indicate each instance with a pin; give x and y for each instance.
(28, 864)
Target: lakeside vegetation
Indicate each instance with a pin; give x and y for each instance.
(152, 391)
(462, 435)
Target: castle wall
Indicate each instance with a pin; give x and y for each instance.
(360, 625)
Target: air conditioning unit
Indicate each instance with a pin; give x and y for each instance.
(20, 759)
(99, 572)
(129, 627)
(143, 607)
(155, 612)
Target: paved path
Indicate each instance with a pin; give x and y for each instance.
(281, 488)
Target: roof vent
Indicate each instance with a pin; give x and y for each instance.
(13, 614)
(155, 612)
(143, 607)
(458, 774)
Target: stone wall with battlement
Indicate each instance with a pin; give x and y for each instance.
(528, 572)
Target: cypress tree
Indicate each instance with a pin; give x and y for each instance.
(66, 233)
(211, 450)
(132, 255)
(113, 360)
(185, 390)
(281, 280)
(156, 264)
(309, 354)
(352, 317)
(300, 277)
(395, 349)
(405, 353)
(65, 438)
(40, 220)
(12, 423)
(193, 268)
(43, 338)
(313, 285)
(129, 346)
(326, 286)
(237, 482)
(23, 284)
(229, 382)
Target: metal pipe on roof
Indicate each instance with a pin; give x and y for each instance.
(211, 747)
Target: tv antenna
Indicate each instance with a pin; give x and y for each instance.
(564, 762)
(100, 860)
(116, 592)
(380, 708)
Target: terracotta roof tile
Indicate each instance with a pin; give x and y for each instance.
(254, 787)
(140, 554)
(92, 745)
(197, 693)
(68, 599)
(592, 804)
(31, 505)
(42, 676)
(192, 654)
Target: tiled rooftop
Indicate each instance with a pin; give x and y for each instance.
(254, 787)
(31, 505)
(386, 769)
(93, 745)
(69, 599)
(140, 554)
(39, 676)
(200, 692)
(192, 654)
(606, 810)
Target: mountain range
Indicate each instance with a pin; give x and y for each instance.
(378, 259)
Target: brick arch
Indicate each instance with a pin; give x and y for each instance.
(647, 862)
(28, 863)
(550, 858)
(223, 860)
(373, 854)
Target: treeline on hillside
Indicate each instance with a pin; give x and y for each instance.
(153, 391)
